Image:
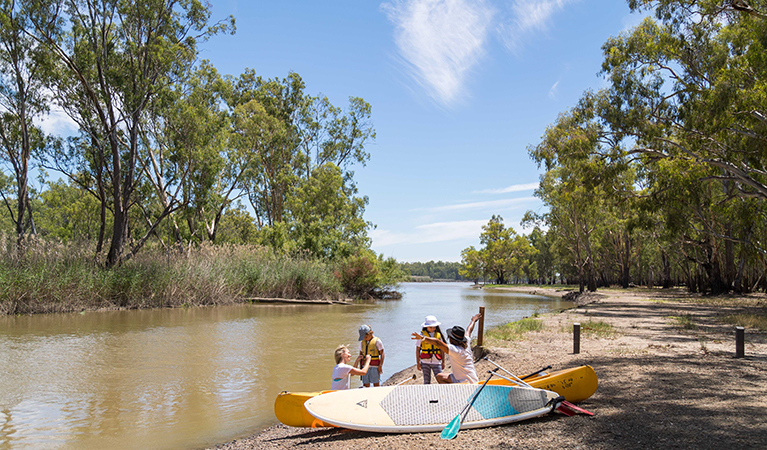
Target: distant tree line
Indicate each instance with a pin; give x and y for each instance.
(439, 270)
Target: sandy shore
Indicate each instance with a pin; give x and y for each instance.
(662, 385)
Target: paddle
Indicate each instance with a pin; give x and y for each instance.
(516, 379)
(536, 372)
(452, 428)
(564, 406)
(576, 408)
(405, 380)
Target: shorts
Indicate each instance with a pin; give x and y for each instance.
(372, 377)
(454, 380)
(427, 369)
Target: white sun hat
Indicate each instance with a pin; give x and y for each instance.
(431, 321)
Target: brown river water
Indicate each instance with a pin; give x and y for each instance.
(195, 377)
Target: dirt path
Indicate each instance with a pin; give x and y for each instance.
(661, 385)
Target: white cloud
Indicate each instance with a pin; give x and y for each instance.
(525, 17)
(512, 188)
(491, 205)
(553, 91)
(428, 233)
(57, 123)
(441, 41)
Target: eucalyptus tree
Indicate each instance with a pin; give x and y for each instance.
(584, 166)
(285, 144)
(185, 148)
(23, 73)
(119, 57)
(688, 86)
(325, 217)
(505, 254)
(472, 267)
(544, 259)
(263, 149)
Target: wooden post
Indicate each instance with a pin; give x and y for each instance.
(576, 338)
(481, 325)
(740, 338)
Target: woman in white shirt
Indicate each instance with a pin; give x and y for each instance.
(459, 350)
(342, 372)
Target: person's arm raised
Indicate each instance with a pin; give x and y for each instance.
(474, 320)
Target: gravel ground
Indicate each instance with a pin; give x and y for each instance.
(661, 385)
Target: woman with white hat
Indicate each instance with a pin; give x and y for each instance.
(429, 358)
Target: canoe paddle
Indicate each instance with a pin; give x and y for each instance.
(451, 430)
(516, 380)
(405, 380)
(536, 372)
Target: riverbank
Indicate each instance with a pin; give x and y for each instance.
(667, 372)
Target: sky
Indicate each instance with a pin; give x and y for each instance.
(459, 90)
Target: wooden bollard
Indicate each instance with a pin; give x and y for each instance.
(481, 329)
(576, 338)
(740, 338)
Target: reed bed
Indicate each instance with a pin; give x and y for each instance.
(52, 277)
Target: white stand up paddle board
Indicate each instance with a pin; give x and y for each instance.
(429, 407)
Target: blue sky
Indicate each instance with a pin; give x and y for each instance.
(459, 89)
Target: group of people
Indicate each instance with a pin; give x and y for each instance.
(431, 349)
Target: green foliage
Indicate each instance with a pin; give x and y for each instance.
(685, 322)
(472, 267)
(363, 275)
(596, 328)
(754, 321)
(323, 216)
(66, 213)
(505, 254)
(513, 331)
(659, 177)
(439, 270)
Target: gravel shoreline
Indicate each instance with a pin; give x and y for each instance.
(661, 385)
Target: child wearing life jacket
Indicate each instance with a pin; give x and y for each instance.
(428, 357)
(371, 345)
(459, 350)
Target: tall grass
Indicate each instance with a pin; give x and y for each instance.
(513, 331)
(748, 320)
(51, 277)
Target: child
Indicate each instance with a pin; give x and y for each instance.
(461, 357)
(428, 357)
(342, 372)
(373, 347)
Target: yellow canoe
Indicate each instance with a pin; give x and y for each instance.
(576, 384)
(289, 409)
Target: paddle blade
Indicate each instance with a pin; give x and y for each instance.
(575, 408)
(452, 428)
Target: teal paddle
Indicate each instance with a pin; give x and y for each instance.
(452, 428)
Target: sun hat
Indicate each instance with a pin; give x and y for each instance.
(430, 321)
(457, 333)
(364, 330)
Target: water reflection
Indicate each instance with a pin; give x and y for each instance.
(182, 378)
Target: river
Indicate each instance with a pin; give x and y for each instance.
(195, 377)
